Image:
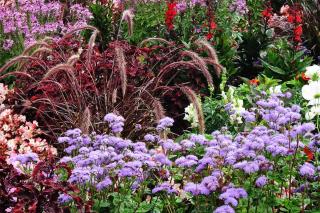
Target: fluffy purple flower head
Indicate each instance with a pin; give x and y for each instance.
(224, 209)
(307, 170)
(7, 44)
(166, 187)
(64, 198)
(231, 194)
(26, 158)
(181, 7)
(115, 122)
(104, 184)
(150, 138)
(261, 181)
(239, 6)
(164, 123)
(162, 159)
(196, 189)
(187, 161)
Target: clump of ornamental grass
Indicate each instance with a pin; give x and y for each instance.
(68, 83)
(272, 165)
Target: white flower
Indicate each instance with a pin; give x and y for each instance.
(315, 110)
(311, 91)
(275, 90)
(313, 72)
(191, 116)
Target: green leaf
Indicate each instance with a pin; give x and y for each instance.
(273, 68)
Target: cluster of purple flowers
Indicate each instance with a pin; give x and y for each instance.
(239, 6)
(116, 123)
(104, 160)
(26, 158)
(37, 18)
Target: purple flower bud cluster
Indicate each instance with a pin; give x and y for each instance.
(239, 6)
(307, 170)
(38, 18)
(165, 123)
(231, 196)
(26, 158)
(164, 187)
(115, 122)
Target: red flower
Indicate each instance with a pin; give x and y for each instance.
(290, 18)
(170, 14)
(304, 77)
(209, 36)
(309, 153)
(298, 19)
(298, 33)
(254, 81)
(298, 30)
(267, 12)
(213, 25)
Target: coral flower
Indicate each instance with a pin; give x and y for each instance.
(254, 81)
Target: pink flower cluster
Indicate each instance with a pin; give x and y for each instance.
(17, 136)
(33, 19)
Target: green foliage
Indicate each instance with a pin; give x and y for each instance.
(148, 22)
(102, 20)
(283, 62)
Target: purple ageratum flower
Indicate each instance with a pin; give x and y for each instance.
(187, 161)
(64, 198)
(26, 158)
(73, 133)
(150, 138)
(231, 195)
(307, 170)
(211, 183)
(261, 181)
(249, 117)
(200, 139)
(138, 127)
(224, 209)
(181, 7)
(115, 122)
(162, 159)
(187, 144)
(164, 123)
(65, 159)
(196, 189)
(239, 6)
(170, 145)
(80, 175)
(104, 184)
(7, 44)
(166, 187)
(247, 166)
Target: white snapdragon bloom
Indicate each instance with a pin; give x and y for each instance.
(191, 116)
(275, 90)
(313, 72)
(236, 103)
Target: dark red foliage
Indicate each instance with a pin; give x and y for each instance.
(36, 193)
(82, 90)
